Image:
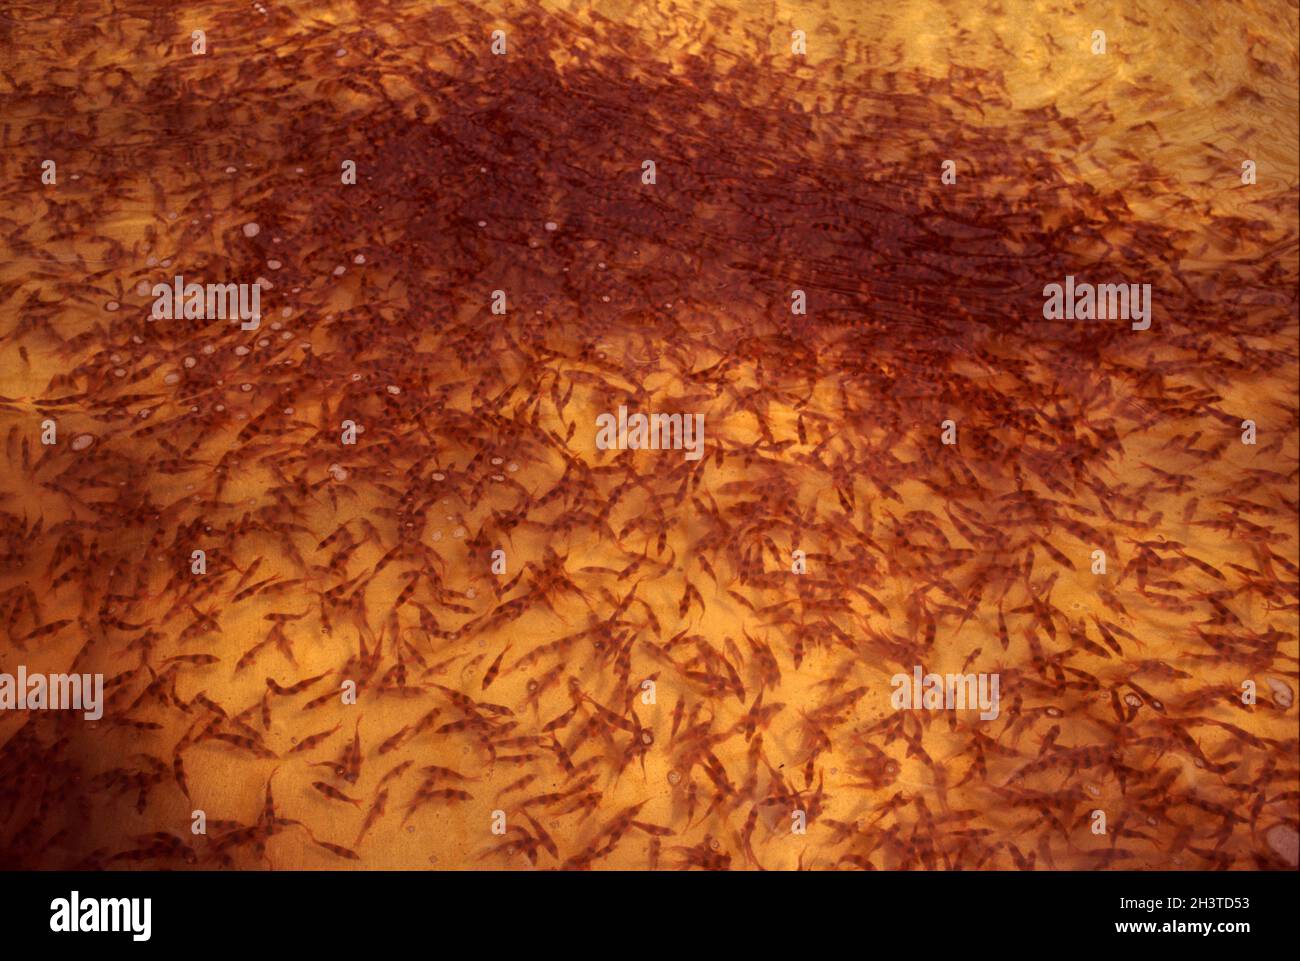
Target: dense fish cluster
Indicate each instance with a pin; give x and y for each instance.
(365, 590)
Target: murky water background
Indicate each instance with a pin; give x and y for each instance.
(1121, 692)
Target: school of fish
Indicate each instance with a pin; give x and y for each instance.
(474, 640)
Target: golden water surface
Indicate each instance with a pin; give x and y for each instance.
(503, 720)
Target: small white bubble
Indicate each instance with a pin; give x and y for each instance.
(82, 441)
(438, 475)
(273, 264)
(111, 305)
(231, 170)
(251, 230)
(190, 361)
(512, 467)
(171, 378)
(340, 270)
(496, 460)
(437, 535)
(359, 259)
(245, 387)
(459, 532)
(552, 225)
(394, 389)
(241, 350)
(142, 288)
